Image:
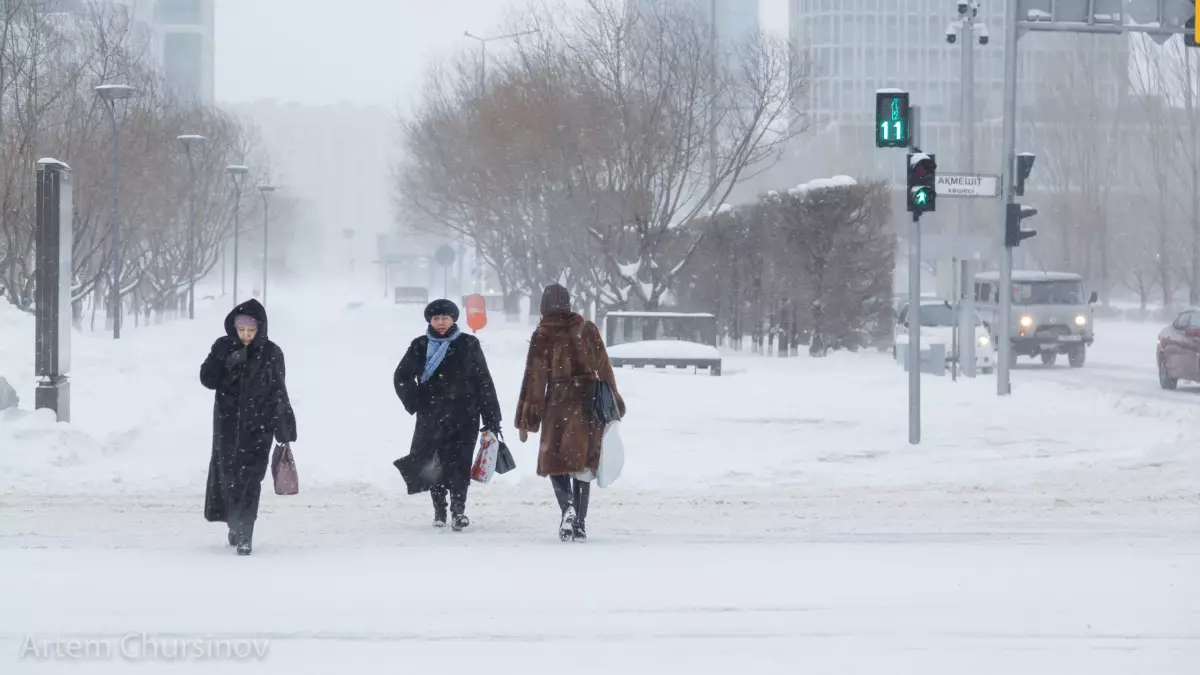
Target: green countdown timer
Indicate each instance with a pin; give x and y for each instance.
(891, 119)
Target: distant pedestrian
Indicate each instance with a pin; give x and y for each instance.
(566, 356)
(246, 371)
(444, 380)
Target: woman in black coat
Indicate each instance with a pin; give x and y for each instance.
(443, 379)
(246, 371)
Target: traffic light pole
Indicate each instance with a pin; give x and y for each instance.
(914, 302)
(914, 330)
(1156, 22)
(1009, 156)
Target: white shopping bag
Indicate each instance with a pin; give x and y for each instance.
(612, 456)
(485, 461)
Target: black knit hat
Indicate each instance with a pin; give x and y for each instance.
(556, 299)
(441, 307)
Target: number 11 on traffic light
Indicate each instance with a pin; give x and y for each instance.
(891, 118)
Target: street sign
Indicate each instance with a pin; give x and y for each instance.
(445, 256)
(967, 185)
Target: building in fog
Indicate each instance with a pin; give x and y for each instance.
(735, 19)
(184, 46)
(179, 38)
(858, 46)
(338, 159)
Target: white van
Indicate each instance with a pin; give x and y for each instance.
(1049, 314)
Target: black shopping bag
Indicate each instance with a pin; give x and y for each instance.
(504, 459)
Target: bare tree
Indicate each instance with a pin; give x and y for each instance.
(585, 156)
(1076, 137)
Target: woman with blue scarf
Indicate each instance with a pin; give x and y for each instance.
(443, 379)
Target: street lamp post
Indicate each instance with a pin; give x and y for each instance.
(265, 189)
(483, 42)
(236, 172)
(188, 141)
(111, 93)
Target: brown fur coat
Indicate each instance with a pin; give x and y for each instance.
(556, 394)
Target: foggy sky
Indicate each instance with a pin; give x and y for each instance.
(360, 51)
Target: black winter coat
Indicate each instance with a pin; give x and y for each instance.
(451, 408)
(251, 406)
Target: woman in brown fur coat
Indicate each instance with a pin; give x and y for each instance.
(566, 356)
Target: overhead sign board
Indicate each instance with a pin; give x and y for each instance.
(967, 185)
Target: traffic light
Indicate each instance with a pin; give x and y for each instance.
(1024, 167)
(1013, 215)
(891, 119)
(922, 179)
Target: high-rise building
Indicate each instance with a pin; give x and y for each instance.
(858, 46)
(735, 19)
(178, 36)
(184, 44)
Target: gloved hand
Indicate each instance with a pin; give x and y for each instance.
(524, 435)
(236, 357)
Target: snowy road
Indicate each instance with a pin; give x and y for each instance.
(772, 520)
(1121, 361)
(1024, 607)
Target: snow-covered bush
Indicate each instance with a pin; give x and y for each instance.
(808, 265)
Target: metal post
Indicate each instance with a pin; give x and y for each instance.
(52, 291)
(1190, 78)
(1003, 331)
(115, 293)
(191, 233)
(237, 230)
(914, 302)
(266, 221)
(914, 330)
(967, 112)
(966, 313)
(712, 121)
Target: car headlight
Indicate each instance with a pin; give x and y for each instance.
(983, 341)
(1026, 321)
(1081, 320)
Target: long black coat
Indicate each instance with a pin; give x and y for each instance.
(251, 407)
(451, 408)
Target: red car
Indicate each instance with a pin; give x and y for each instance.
(1178, 351)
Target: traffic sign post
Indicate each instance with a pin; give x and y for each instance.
(445, 257)
(967, 185)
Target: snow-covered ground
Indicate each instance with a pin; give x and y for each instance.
(770, 520)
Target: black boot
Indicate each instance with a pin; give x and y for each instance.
(438, 493)
(458, 507)
(245, 537)
(583, 490)
(566, 504)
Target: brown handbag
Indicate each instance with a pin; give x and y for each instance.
(283, 470)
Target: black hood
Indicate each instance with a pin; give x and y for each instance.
(252, 308)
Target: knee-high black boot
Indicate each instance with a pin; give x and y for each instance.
(583, 491)
(458, 508)
(438, 494)
(566, 503)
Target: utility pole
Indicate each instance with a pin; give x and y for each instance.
(188, 141)
(966, 30)
(1156, 18)
(712, 97)
(462, 264)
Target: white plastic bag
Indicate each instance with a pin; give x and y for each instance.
(612, 456)
(485, 462)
